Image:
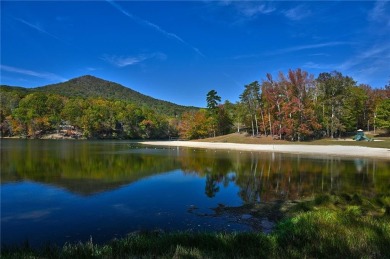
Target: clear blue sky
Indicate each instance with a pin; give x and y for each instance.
(178, 51)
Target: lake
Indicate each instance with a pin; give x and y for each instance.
(57, 191)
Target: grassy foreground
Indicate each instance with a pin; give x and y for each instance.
(329, 226)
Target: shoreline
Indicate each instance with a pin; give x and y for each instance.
(333, 150)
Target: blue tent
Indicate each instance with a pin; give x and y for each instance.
(360, 136)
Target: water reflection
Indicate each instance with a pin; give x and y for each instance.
(87, 168)
(108, 189)
(266, 177)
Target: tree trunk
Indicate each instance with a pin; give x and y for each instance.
(253, 129)
(331, 127)
(262, 118)
(270, 125)
(257, 126)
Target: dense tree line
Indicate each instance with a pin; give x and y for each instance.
(294, 106)
(38, 113)
(208, 122)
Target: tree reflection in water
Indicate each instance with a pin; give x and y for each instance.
(87, 167)
(274, 176)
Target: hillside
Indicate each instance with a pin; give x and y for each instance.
(90, 86)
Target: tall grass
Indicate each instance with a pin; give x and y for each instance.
(331, 234)
(329, 226)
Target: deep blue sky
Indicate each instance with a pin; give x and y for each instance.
(178, 50)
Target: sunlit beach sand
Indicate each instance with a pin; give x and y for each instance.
(334, 150)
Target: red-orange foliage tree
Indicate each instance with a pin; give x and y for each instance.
(194, 125)
(290, 102)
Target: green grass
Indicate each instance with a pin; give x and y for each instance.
(380, 142)
(383, 142)
(334, 234)
(327, 226)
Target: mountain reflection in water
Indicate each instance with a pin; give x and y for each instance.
(87, 168)
(107, 189)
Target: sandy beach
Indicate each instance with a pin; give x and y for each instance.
(334, 150)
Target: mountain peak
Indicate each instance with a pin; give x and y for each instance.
(88, 79)
(88, 86)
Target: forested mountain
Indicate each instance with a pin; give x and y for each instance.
(293, 106)
(87, 106)
(92, 87)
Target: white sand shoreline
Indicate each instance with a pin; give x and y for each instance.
(333, 150)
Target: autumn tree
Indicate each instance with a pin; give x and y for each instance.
(272, 99)
(369, 104)
(194, 125)
(289, 105)
(9, 101)
(154, 126)
(32, 112)
(299, 117)
(332, 89)
(251, 98)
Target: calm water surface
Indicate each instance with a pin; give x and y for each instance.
(66, 191)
